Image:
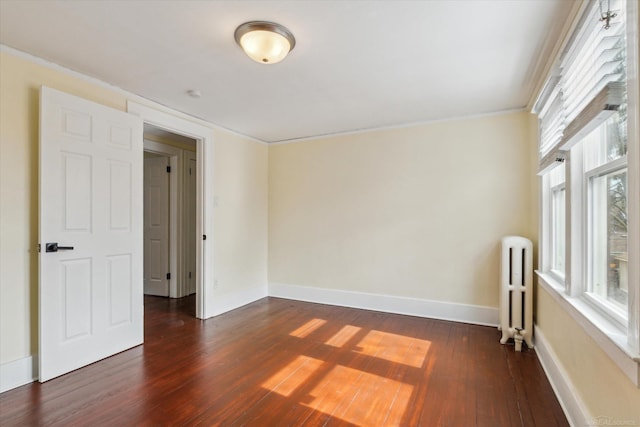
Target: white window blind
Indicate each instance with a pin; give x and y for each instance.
(595, 58)
(588, 87)
(552, 122)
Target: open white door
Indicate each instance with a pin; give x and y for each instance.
(91, 232)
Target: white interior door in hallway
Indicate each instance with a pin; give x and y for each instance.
(156, 225)
(189, 223)
(90, 233)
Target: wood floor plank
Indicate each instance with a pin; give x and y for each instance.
(490, 361)
(278, 362)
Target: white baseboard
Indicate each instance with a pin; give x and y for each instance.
(17, 373)
(475, 314)
(572, 405)
(223, 303)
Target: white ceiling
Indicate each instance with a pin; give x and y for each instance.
(357, 64)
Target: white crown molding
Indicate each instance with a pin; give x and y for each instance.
(129, 95)
(398, 126)
(198, 120)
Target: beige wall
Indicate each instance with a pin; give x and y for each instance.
(603, 388)
(413, 212)
(242, 261)
(240, 220)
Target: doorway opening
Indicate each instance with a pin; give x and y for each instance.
(170, 189)
(181, 125)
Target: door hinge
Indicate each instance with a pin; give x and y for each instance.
(204, 237)
(168, 276)
(38, 247)
(168, 169)
(189, 171)
(189, 275)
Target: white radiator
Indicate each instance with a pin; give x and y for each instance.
(516, 291)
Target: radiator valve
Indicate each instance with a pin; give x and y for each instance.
(517, 338)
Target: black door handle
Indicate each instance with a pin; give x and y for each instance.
(53, 247)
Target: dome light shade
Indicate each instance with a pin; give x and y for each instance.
(265, 42)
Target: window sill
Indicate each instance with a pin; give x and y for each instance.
(611, 339)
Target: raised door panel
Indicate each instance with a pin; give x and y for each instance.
(119, 202)
(77, 174)
(119, 278)
(77, 289)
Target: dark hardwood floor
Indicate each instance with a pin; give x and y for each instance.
(285, 363)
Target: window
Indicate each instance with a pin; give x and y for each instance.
(589, 216)
(605, 172)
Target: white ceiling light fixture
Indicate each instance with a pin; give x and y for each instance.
(265, 42)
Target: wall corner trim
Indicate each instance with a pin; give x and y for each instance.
(479, 315)
(18, 373)
(573, 407)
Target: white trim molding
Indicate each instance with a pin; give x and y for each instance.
(18, 373)
(465, 313)
(573, 407)
(129, 95)
(360, 131)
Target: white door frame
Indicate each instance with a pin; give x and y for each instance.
(175, 201)
(177, 123)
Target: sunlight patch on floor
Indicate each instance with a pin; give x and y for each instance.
(357, 396)
(343, 336)
(292, 376)
(308, 328)
(376, 400)
(395, 348)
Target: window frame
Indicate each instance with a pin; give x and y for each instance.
(553, 188)
(606, 308)
(618, 336)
